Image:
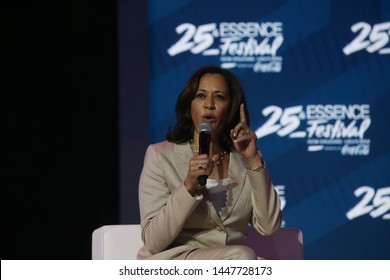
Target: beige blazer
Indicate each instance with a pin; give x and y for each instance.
(174, 223)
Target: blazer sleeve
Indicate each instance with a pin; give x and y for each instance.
(164, 209)
(266, 215)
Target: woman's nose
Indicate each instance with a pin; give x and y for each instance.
(209, 106)
(209, 103)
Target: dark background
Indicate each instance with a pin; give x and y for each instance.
(59, 162)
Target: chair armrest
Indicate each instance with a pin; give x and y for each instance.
(116, 242)
(284, 244)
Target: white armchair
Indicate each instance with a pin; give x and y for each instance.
(122, 242)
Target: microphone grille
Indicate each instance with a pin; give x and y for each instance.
(205, 126)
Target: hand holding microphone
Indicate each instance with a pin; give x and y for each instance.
(200, 165)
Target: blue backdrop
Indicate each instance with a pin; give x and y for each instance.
(317, 79)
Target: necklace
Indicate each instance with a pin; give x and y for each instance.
(195, 151)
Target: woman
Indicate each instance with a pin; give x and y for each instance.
(179, 218)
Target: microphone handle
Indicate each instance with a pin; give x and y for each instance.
(204, 148)
(202, 180)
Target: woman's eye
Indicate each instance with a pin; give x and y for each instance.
(220, 97)
(200, 95)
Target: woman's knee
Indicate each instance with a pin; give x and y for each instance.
(242, 252)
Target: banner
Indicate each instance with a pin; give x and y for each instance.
(317, 79)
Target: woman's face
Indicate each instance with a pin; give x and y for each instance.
(211, 103)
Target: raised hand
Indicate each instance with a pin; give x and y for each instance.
(244, 140)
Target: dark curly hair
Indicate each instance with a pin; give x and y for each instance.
(184, 128)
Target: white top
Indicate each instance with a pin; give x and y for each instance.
(217, 190)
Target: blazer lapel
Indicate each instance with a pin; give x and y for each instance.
(181, 156)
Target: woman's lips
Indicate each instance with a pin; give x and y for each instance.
(208, 118)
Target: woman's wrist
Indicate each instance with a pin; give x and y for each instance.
(257, 163)
(190, 189)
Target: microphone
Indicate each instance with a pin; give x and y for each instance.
(204, 130)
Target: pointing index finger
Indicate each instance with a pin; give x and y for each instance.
(242, 114)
